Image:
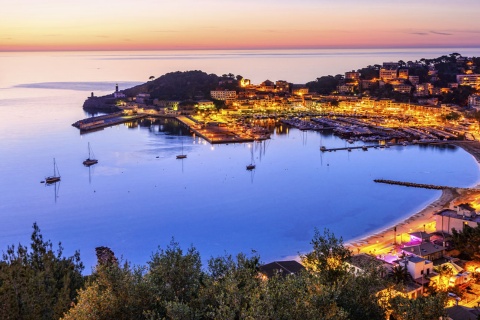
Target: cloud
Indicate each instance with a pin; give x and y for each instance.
(441, 33)
(166, 31)
(420, 33)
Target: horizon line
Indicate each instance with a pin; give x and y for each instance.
(248, 48)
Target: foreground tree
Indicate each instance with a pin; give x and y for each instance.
(425, 308)
(328, 258)
(38, 283)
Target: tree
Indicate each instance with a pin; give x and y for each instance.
(38, 283)
(400, 275)
(328, 258)
(467, 241)
(425, 308)
(151, 78)
(113, 292)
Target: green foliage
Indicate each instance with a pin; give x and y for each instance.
(425, 308)
(38, 283)
(325, 84)
(178, 86)
(399, 274)
(467, 241)
(328, 258)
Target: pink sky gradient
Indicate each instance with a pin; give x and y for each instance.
(31, 25)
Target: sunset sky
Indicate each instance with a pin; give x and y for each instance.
(228, 24)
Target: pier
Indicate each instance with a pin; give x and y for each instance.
(364, 147)
(421, 185)
(217, 134)
(100, 122)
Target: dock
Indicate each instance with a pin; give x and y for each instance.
(100, 122)
(217, 134)
(361, 147)
(421, 185)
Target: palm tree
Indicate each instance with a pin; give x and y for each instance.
(400, 274)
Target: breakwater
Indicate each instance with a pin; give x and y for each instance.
(421, 185)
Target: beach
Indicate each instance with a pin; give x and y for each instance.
(423, 220)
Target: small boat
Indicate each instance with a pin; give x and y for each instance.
(182, 155)
(323, 148)
(90, 161)
(251, 166)
(350, 141)
(349, 150)
(364, 148)
(56, 174)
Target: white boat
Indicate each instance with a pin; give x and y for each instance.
(90, 161)
(323, 148)
(56, 174)
(364, 148)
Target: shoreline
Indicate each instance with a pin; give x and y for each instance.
(420, 220)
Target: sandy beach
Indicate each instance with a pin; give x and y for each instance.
(423, 220)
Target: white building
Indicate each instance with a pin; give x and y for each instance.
(448, 219)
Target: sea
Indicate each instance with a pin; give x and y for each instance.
(139, 197)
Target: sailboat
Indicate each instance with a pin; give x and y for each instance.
(90, 160)
(182, 155)
(251, 166)
(56, 174)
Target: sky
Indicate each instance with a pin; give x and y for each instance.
(45, 25)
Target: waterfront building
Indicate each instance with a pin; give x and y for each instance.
(117, 94)
(282, 86)
(142, 98)
(425, 250)
(448, 219)
(299, 89)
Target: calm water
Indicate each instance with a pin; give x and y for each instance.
(139, 196)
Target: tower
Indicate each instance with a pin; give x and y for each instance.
(116, 87)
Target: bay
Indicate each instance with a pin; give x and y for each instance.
(139, 196)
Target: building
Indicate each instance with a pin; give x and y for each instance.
(346, 88)
(388, 74)
(426, 250)
(402, 88)
(359, 263)
(353, 75)
(282, 268)
(299, 89)
(472, 80)
(414, 79)
(282, 86)
(142, 98)
(403, 73)
(424, 89)
(447, 220)
(224, 95)
(474, 101)
(117, 94)
(390, 65)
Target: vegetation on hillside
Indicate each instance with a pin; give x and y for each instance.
(41, 284)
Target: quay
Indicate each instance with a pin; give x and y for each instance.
(323, 149)
(100, 122)
(421, 185)
(213, 133)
